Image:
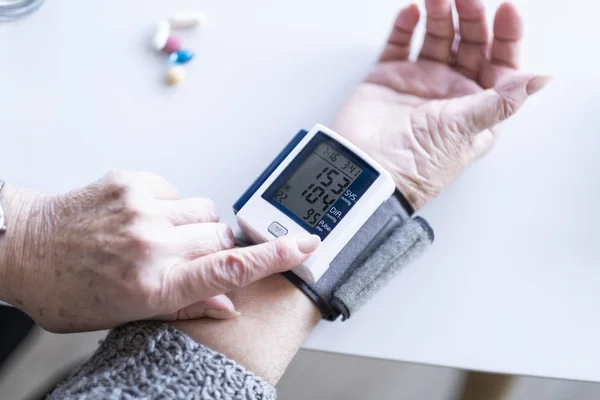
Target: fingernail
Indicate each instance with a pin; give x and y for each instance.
(213, 213)
(221, 314)
(308, 243)
(226, 236)
(537, 83)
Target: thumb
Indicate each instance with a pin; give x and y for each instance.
(228, 270)
(217, 307)
(480, 111)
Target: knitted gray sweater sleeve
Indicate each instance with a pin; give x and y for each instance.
(152, 360)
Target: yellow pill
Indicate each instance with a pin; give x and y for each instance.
(175, 75)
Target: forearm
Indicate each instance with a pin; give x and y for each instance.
(153, 360)
(276, 319)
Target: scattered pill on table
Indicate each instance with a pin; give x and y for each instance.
(175, 75)
(161, 35)
(188, 19)
(173, 45)
(181, 57)
(164, 41)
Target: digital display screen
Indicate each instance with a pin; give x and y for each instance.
(321, 185)
(312, 189)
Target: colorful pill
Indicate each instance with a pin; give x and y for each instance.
(161, 35)
(175, 75)
(189, 19)
(181, 57)
(173, 44)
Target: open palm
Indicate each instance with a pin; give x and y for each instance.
(427, 120)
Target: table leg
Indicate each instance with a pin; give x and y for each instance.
(486, 386)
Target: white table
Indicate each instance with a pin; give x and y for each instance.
(512, 282)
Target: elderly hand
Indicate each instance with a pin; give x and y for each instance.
(127, 248)
(427, 120)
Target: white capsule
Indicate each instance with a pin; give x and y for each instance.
(161, 35)
(188, 19)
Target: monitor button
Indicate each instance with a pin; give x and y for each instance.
(277, 230)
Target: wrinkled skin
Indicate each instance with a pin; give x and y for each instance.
(427, 120)
(127, 248)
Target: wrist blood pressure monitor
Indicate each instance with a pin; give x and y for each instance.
(324, 185)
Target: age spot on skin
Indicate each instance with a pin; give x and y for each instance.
(61, 312)
(97, 299)
(41, 312)
(19, 302)
(115, 194)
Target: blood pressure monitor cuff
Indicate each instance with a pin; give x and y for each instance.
(387, 242)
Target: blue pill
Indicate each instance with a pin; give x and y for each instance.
(181, 57)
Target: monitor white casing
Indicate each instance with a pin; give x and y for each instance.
(257, 214)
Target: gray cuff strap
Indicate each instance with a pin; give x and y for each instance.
(388, 241)
(404, 244)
